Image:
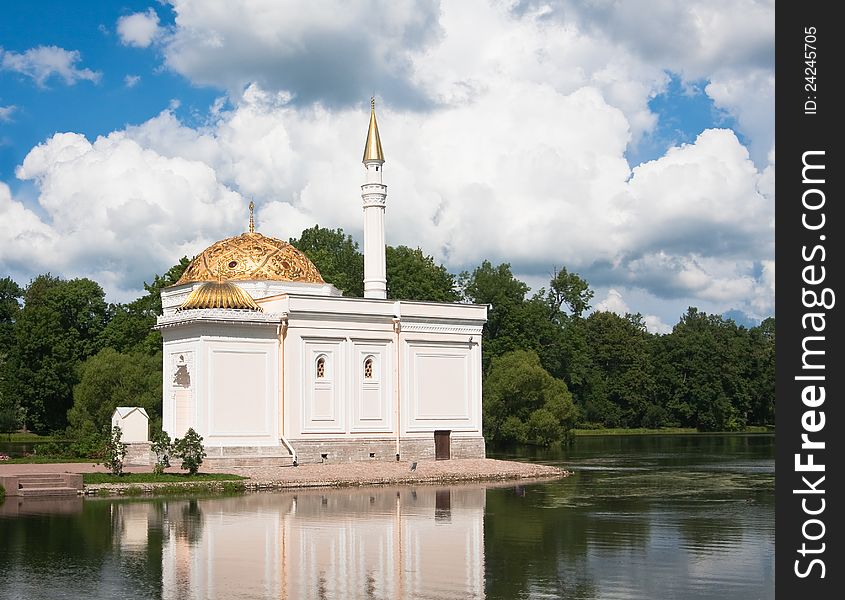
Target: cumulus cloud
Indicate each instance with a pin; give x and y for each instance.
(613, 303)
(520, 155)
(139, 29)
(6, 112)
(43, 62)
(334, 52)
(131, 81)
(115, 209)
(654, 324)
(696, 39)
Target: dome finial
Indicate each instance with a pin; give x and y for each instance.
(373, 151)
(251, 216)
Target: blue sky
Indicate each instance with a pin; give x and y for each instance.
(634, 145)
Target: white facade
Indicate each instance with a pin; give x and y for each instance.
(326, 373)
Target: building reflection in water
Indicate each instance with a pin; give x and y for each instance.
(371, 543)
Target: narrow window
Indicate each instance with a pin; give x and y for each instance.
(321, 367)
(368, 368)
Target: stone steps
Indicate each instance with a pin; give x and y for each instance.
(47, 491)
(42, 484)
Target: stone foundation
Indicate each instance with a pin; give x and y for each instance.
(246, 456)
(381, 449)
(139, 454)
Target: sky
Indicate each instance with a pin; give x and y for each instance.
(631, 141)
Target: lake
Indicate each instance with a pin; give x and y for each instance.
(681, 516)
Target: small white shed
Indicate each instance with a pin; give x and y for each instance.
(134, 423)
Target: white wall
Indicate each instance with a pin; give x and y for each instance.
(232, 397)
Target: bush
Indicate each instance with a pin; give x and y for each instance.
(163, 448)
(88, 442)
(513, 430)
(114, 452)
(544, 428)
(190, 450)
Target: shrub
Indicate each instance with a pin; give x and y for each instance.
(544, 428)
(163, 448)
(190, 450)
(114, 452)
(88, 442)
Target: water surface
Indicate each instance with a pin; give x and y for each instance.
(642, 517)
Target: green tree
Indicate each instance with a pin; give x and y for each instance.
(129, 327)
(618, 390)
(190, 450)
(411, 275)
(110, 379)
(10, 307)
(523, 402)
(162, 447)
(762, 373)
(513, 323)
(115, 451)
(336, 256)
(702, 372)
(568, 289)
(56, 330)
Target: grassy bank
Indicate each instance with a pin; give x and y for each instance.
(665, 431)
(26, 437)
(97, 478)
(166, 484)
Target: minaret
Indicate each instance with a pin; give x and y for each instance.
(374, 194)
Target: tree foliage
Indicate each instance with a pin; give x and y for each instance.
(110, 379)
(56, 329)
(524, 403)
(115, 451)
(190, 450)
(336, 256)
(411, 275)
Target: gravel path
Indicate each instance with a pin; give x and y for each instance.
(377, 473)
(336, 474)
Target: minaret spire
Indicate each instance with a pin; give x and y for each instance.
(374, 194)
(372, 149)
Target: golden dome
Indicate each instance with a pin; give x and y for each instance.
(251, 256)
(219, 294)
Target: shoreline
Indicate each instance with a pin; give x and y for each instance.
(333, 475)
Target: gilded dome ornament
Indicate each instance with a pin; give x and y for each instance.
(251, 256)
(219, 294)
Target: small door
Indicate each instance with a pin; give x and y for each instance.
(442, 445)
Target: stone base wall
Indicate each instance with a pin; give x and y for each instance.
(139, 454)
(381, 449)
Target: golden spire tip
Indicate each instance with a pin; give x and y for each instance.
(251, 216)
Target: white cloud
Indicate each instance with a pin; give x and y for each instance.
(613, 303)
(330, 51)
(520, 159)
(6, 112)
(655, 325)
(131, 81)
(43, 62)
(139, 29)
(117, 211)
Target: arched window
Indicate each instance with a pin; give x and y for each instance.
(321, 367)
(368, 368)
